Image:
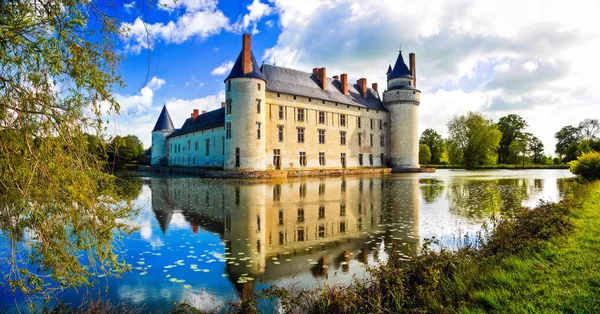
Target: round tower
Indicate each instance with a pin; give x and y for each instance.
(402, 101)
(245, 112)
(162, 129)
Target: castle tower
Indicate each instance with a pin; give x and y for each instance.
(402, 101)
(162, 129)
(245, 112)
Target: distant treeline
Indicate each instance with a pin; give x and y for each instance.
(117, 151)
(476, 141)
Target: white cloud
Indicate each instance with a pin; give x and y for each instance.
(141, 101)
(129, 6)
(224, 68)
(256, 11)
(180, 109)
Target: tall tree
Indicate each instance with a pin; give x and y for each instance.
(473, 139)
(424, 154)
(589, 129)
(512, 127)
(436, 144)
(125, 149)
(567, 142)
(57, 70)
(537, 150)
(520, 146)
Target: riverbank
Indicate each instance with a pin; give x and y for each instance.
(503, 166)
(543, 260)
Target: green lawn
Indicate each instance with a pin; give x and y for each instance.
(562, 277)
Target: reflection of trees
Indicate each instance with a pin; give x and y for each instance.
(128, 187)
(431, 190)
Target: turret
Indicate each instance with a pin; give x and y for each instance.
(162, 129)
(245, 112)
(402, 101)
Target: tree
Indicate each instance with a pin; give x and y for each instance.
(436, 145)
(125, 150)
(473, 139)
(567, 140)
(589, 129)
(512, 127)
(424, 154)
(520, 146)
(57, 70)
(537, 150)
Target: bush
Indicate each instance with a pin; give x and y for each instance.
(587, 166)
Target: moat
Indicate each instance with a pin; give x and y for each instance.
(208, 241)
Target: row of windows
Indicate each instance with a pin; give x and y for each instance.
(323, 161)
(176, 148)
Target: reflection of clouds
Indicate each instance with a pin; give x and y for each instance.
(133, 294)
(178, 221)
(201, 299)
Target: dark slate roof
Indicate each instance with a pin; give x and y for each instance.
(294, 82)
(164, 122)
(204, 121)
(389, 70)
(237, 70)
(400, 69)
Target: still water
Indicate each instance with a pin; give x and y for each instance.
(209, 241)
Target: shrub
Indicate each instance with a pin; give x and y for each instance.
(587, 166)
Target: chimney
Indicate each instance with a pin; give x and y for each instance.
(316, 72)
(203, 111)
(336, 77)
(246, 54)
(323, 78)
(222, 104)
(195, 114)
(374, 86)
(413, 68)
(345, 83)
(362, 84)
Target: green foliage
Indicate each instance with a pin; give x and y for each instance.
(512, 128)
(55, 85)
(587, 166)
(567, 142)
(424, 154)
(128, 149)
(537, 151)
(473, 140)
(436, 145)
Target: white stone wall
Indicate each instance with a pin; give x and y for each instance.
(243, 118)
(190, 149)
(159, 150)
(403, 106)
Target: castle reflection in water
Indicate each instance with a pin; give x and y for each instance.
(335, 223)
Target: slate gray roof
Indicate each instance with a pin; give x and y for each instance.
(400, 69)
(204, 121)
(294, 82)
(164, 122)
(237, 71)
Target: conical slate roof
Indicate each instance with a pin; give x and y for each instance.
(389, 70)
(164, 122)
(400, 69)
(237, 70)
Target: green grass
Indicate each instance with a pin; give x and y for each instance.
(562, 277)
(502, 166)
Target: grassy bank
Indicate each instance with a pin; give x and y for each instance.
(503, 166)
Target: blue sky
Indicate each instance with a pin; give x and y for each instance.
(535, 58)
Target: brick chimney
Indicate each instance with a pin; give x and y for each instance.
(362, 84)
(344, 83)
(316, 72)
(222, 104)
(195, 114)
(374, 86)
(323, 78)
(413, 68)
(246, 53)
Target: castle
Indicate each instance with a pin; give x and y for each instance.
(279, 118)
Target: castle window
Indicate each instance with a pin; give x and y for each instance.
(300, 214)
(371, 159)
(309, 99)
(300, 135)
(278, 95)
(324, 102)
(294, 97)
(196, 146)
(382, 141)
(280, 129)
(342, 137)
(258, 85)
(360, 160)
(371, 123)
(358, 122)
(414, 92)
(382, 159)
(321, 231)
(223, 145)
(280, 112)
(342, 210)
(258, 106)
(207, 152)
(343, 160)
(380, 124)
(321, 117)
(359, 139)
(322, 158)
(258, 130)
(342, 227)
(229, 85)
(303, 159)
(300, 114)
(321, 136)
(371, 139)
(237, 165)
(300, 235)
(321, 212)
(228, 130)
(281, 217)
(281, 238)
(343, 120)
(228, 106)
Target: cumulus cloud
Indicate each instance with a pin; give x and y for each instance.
(180, 109)
(224, 68)
(142, 100)
(256, 11)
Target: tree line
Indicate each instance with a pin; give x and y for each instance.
(475, 141)
(116, 152)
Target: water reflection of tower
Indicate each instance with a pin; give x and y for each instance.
(401, 197)
(161, 202)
